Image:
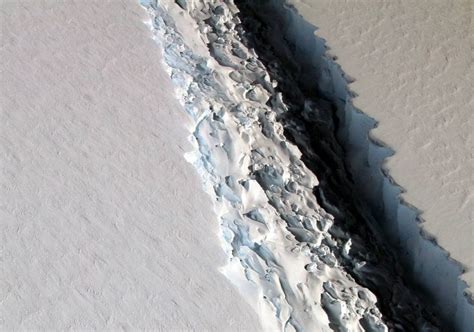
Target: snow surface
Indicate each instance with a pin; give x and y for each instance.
(412, 66)
(103, 222)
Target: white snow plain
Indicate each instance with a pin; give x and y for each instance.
(103, 222)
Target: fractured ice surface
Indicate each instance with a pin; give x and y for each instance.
(429, 266)
(297, 266)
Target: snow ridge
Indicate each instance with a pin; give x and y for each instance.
(285, 252)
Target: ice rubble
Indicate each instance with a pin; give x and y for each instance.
(301, 269)
(428, 266)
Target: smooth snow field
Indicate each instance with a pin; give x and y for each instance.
(104, 225)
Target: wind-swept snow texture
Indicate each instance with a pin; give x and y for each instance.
(103, 223)
(297, 266)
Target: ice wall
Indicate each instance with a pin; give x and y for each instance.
(428, 266)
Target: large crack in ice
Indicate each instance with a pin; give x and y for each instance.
(427, 268)
(296, 244)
